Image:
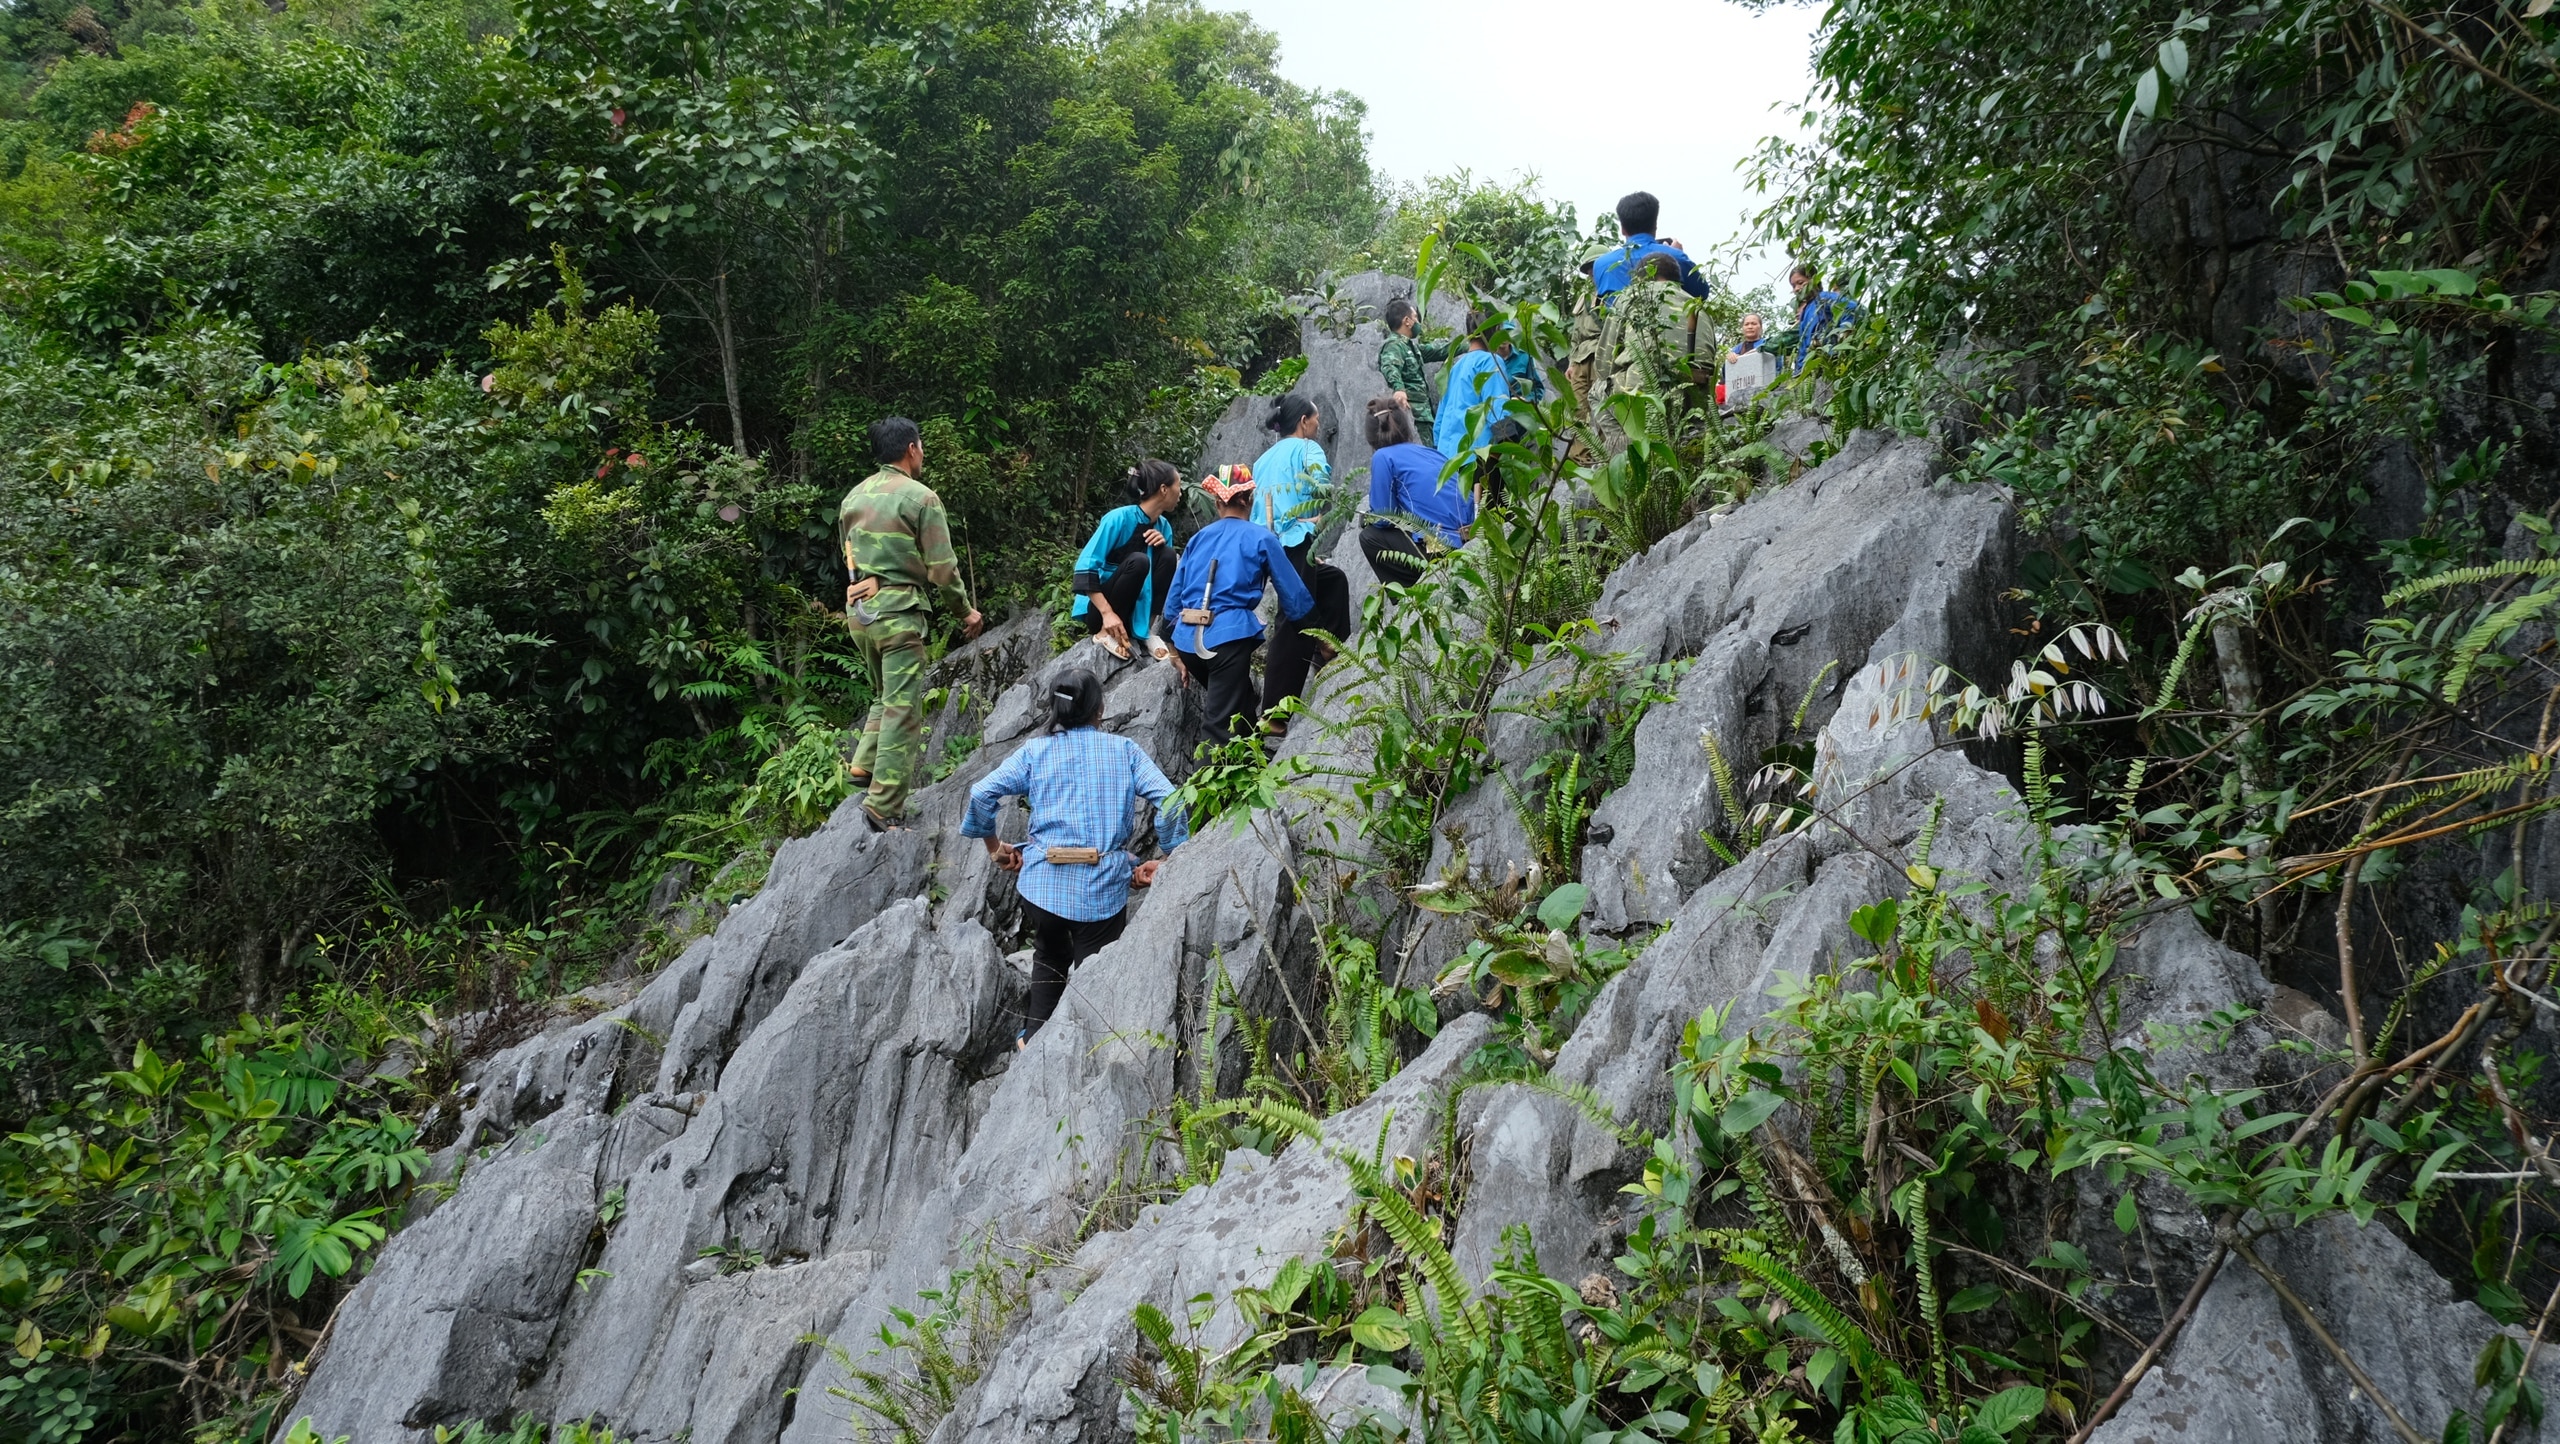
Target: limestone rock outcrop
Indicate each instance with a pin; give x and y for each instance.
(816, 1114)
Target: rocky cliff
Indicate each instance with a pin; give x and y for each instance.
(814, 1115)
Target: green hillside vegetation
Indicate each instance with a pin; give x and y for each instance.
(422, 434)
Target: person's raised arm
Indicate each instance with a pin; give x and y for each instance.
(1173, 825)
(1690, 281)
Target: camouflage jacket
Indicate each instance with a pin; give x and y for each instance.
(1400, 362)
(893, 527)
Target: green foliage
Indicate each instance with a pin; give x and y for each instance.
(196, 1206)
(922, 1361)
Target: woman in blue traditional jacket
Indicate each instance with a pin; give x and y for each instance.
(1210, 609)
(1407, 485)
(1121, 573)
(1292, 480)
(1294, 483)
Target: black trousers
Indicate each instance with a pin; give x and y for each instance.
(1057, 946)
(1293, 651)
(1123, 582)
(1228, 679)
(1393, 554)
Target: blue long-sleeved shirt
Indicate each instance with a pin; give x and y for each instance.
(1083, 786)
(1246, 557)
(1616, 270)
(1290, 483)
(1117, 529)
(1475, 377)
(1827, 312)
(1406, 478)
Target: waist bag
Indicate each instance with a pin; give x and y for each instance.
(1073, 856)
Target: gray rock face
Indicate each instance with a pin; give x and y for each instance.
(1068, 1116)
(1784, 910)
(816, 1113)
(2247, 1368)
(465, 1306)
(1780, 602)
(1059, 1378)
(833, 1122)
(1341, 377)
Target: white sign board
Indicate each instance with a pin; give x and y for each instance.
(1746, 374)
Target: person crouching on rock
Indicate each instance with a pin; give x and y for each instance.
(1405, 486)
(1083, 786)
(1209, 610)
(1122, 572)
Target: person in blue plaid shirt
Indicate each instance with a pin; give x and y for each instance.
(1083, 786)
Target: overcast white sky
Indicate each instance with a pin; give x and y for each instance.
(1500, 87)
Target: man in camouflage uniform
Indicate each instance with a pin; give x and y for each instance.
(1400, 359)
(897, 550)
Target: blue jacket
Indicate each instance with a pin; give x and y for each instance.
(1407, 479)
(1616, 270)
(1290, 483)
(1472, 378)
(1247, 557)
(1118, 528)
(1826, 314)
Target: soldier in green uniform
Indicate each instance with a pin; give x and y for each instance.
(1400, 359)
(897, 550)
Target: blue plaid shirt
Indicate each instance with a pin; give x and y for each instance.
(1083, 786)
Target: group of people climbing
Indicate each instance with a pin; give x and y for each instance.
(1183, 571)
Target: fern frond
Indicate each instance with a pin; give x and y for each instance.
(1836, 1328)
(1812, 688)
(2178, 667)
(2486, 632)
(1289, 1118)
(1419, 1237)
(2470, 576)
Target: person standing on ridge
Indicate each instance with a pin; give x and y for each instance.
(1121, 574)
(1400, 359)
(1617, 269)
(1474, 379)
(1209, 611)
(1083, 786)
(1820, 314)
(896, 541)
(1294, 483)
(1292, 480)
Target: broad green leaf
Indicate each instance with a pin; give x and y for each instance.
(1748, 1112)
(1564, 906)
(2005, 1411)
(1381, 1328)
(2146, 95)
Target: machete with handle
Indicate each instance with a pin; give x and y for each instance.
(1198, 618)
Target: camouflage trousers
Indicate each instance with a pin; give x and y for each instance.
(892, 741)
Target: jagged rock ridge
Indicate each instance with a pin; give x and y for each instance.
(814, 1114)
